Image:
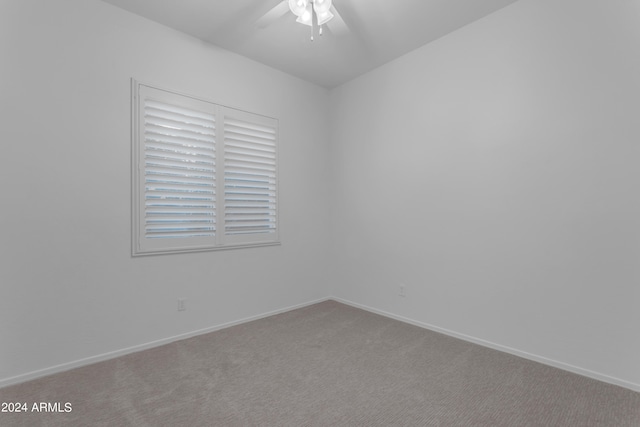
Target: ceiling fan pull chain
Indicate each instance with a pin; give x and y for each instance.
(314, 18)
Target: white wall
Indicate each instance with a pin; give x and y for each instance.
(69, 287)
(495, 173)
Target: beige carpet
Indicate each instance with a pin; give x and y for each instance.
(323, 365)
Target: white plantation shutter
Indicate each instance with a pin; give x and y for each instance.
(204, 175)
(250, 193)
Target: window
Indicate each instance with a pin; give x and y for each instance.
(204, 175)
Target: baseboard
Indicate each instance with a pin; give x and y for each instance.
(525, 355)
(113, 354)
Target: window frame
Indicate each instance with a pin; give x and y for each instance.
(142, 246)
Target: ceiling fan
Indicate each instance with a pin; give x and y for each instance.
(313, 13)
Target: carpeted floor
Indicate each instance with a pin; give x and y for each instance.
(324, 365)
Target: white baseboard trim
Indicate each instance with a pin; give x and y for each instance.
(540, 359)
(113, 354)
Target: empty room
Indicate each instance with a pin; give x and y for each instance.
(316, 212)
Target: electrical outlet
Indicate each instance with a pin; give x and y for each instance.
(402, 290)
(182, 304)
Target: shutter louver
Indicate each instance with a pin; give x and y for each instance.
(249, 177)
(179, 171)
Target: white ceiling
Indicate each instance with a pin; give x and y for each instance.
(379, 31)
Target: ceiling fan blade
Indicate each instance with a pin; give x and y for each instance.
(337, 25)
(268, 18)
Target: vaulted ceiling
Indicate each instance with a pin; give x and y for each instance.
(375, 31)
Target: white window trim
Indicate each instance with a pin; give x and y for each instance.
(142, 246)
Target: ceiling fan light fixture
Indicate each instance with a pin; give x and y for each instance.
(324, 17)
(322, 6)
(306, 9)
(298, 7)
(306, 17)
